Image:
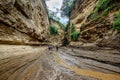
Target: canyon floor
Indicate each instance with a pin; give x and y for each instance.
(19, 62)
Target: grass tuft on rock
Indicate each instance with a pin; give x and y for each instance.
(116, 23)
(102, 5)
(53, 30)
(102, 8)
(74, 35)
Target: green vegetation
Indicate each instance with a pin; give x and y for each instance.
(102, 8)
(105, 12)
(59, 23)
(116, 24)
(72, 29)
(74, 35)
(53, 30)
(102, 5)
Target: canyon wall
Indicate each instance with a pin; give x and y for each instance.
(23, 21)
(93, 19)
(60, 27)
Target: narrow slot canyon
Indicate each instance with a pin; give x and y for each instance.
(59, 40)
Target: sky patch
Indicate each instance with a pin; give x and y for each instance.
(55, 6)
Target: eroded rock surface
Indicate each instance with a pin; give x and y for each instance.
(95, 25)
(38, 63)
(23, 21)
(34, 63)
(60, 27)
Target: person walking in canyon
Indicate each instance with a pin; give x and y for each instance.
(57, 47)
(50, 47)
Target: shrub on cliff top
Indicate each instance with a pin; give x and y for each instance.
(53, 30)
(116, 23)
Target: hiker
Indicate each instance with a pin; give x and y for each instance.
(56, 47)
(50, 47)
(72, 50)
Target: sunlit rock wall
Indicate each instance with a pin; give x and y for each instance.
(59, 26)
(23, 21)
(95, 27)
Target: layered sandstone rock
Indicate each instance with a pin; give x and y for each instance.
(60, 27)
(94, 26)
(23, 21)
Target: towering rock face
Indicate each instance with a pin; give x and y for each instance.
(23, 21)
(60, 27)
(94, 20)
(80, 12)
